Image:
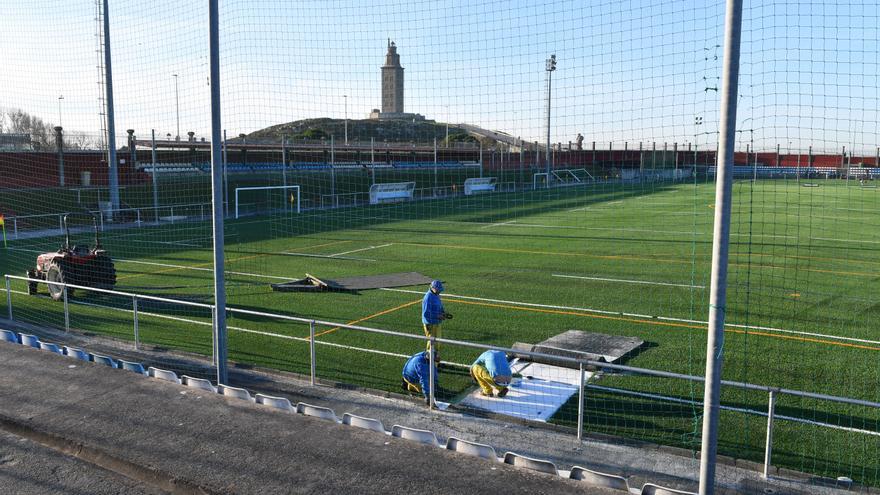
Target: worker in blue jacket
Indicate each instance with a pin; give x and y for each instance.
(432, 314)
(492, 372)
(416, 373)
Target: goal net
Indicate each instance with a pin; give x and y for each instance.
(266, 199)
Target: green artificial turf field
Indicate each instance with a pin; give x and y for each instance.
(631, 260)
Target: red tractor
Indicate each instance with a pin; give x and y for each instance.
(76, 265)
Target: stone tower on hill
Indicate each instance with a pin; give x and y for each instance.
(392, 81)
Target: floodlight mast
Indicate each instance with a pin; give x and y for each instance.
(550, 67)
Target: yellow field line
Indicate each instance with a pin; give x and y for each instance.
(663, 323)
(374, 315)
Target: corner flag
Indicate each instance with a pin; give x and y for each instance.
(3, 226)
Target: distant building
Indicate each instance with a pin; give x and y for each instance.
(392, 89)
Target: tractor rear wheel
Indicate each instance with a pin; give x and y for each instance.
(102, 273)
(56, 274)
(31, 286)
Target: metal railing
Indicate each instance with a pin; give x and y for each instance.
(580, 364)
(142, 216)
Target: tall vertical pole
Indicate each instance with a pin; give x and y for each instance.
(284, 168)
(59, 143)
(435, 167)
(155, 180)
(481, 159)
(225, 173)
(346, 119)
(373, 160)
(217, 196)
(111, 123)
(176, 107)
(551, 66)
(332, 171)
(720, 245)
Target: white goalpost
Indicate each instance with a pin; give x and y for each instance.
(295, 199)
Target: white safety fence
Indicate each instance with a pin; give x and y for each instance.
(575, 381)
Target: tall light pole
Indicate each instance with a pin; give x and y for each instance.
(447, 126)
(176, 106)
(346, 119)
(60, 97)
(551, 66)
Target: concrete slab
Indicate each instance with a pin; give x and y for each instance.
(28, 468)
(577, 344)
(639, 462)
(191, 441)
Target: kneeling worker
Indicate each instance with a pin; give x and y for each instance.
(492, 372)
(416, 373)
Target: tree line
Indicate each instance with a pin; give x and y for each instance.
(42, 133)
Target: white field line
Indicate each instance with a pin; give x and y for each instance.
(626, 281)
(614, 203)
(326, 256)
(772, 236)
(585, 208)
(197, 268)
(843, 240)
(730, 408)
(497, 224)
(565, 308)
(359, 250)
(637, 315)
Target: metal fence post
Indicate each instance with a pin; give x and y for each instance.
(312, 363)
(720, 245)
(431, 371)
(134, 307)
(768, 450)
(8, 297)
(581, 403)
(66, 310)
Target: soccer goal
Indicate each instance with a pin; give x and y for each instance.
(391, 192)
(573, 175)
(264, 199)
(479, 184)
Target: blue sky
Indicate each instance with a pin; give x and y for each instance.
(630, 71)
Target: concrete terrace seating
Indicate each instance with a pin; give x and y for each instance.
(426, 437)
(652, 489)
(131, 366)
(168, 376)
(317, 411)
(76, 353)
(599, 479)
(522, 461)
(199, 383)
(593, 478)
(238, 393)
(48, 346)
(276, 402)
(30, 340)
(105, 360)
(361, 422)
(471, 448)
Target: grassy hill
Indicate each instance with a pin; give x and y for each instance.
(363, 130)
